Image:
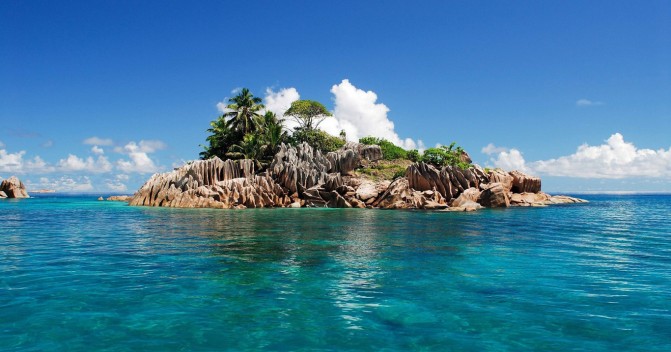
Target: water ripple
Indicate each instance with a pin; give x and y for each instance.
(77, 274)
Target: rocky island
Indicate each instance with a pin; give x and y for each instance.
(302, 176)
(254, 161)
(13, 188)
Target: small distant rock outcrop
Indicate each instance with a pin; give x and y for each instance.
(13, 188)
(119, 198)
(302, 176)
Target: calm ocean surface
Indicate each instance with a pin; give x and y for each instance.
(81, 275)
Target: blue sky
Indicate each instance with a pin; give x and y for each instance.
(576, 92)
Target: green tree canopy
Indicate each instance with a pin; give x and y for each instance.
(308, 113)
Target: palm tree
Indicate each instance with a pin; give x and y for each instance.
(250, 147)
(273, 132)
(220, 138)
(244, 115)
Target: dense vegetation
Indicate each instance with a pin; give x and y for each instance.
(247, 131)
(390, 151)
(440, 156)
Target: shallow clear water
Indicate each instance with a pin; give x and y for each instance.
(78, 274)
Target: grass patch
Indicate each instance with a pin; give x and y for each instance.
(384, 169)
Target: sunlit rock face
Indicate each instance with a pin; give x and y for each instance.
(301, 176)
(13, 188)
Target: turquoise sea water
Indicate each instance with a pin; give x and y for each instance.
(81, 275)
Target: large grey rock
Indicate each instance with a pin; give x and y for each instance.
(13, 188)
(450, 181)
(523, 183)
(300, 168)
(399, 195)
(494, 196)
(502, 177)
(366, 191)
(469, 195)
(368, 152)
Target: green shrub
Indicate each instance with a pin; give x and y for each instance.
(443, 156)
(317, 139)
(413, 155)
(390, 151)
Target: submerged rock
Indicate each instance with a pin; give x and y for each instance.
(13, 188)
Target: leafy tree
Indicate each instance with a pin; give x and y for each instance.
(413, 155)
(244, 112)
(308, 113)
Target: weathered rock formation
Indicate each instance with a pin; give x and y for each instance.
(450, 181)
(302, 176)
(523, 183)
(297, 176)
(211, 183)
(399, 195)
(13, 188)
(494, 195)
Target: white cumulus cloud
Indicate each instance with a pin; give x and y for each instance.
(97, 150)
(138, 153)
(280, 101)
(75, 163)
(358, 113)
(14, 163)
(614, 159)
(63, 184)
(37, 165)
(98, 141)
(11, 162)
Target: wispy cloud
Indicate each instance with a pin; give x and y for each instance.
(586, 102)
(490, 149)
(117, 184)
(98, 141)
